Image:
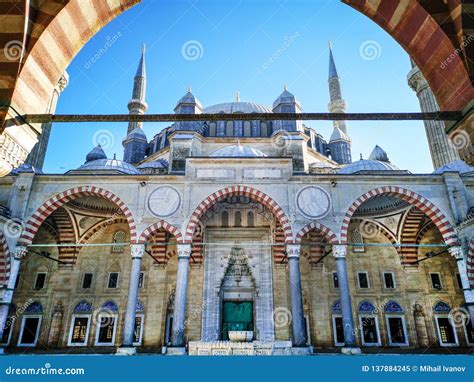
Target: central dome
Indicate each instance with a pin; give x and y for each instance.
(237, 107)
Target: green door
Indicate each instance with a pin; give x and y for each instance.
(237, 315)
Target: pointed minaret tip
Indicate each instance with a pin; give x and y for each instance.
(332, 65)
(143, 48)
(330, 44)
(237, 96)
(141, 72)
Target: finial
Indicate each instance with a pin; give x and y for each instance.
(285, 87)
(190, 89)
(237, 96)
(330, 44)
(360, 156)
(115, 156)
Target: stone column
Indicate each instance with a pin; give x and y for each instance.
(340, 252)
(137, 251)
(179, 312)
(7, 293)
(298, 327)
(458, 254)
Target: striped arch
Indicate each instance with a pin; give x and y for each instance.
(330, 236)
(409, 231)
(4, 260)
(470, 263)
(57, 201)
(250, 192)
(433, 212)
(161, 225)
(66, 235)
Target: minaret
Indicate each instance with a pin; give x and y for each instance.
(441, 151)
(340, 142)
(135, 142)
(336, 103)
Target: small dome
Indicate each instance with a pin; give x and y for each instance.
(339, 135)
(25, 168)
(95, 154)
(365, 165)
(237, 107)
(236, 151)
(379, 154)
(189, 98)
(159, 163)
(284, 97)
(457, 166)
(112, 165)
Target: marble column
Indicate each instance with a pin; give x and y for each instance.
(179, 312)
(340, 252)
(137, 251)
(7, 293)
(461, 258)
(298, 326)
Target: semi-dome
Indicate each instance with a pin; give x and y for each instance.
(456, 166)
(238, 151)
(237, 107)
(364, 165)
(110, 165)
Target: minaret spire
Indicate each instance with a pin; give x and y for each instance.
(135, 142)
(340, 142)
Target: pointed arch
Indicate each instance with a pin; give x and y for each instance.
(162, 224)
(4, 260)
(330, 236)
(57, 201)
(239, 190)
(411, 197)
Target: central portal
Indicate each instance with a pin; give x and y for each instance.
(238, 316)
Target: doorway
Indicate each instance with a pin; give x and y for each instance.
(236, 315)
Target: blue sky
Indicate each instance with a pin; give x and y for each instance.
(254, 47)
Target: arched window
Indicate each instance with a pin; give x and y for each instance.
(369, 324)
(445, 327)
(247, 129)
(357, 239)
(31, 325)
(337, 324)
(139, 319)
(80, 324)
(250, 219)
(107, 324)
(229, 129)
(118, 240)
(395, 320)
(237, 219)
(225, 219)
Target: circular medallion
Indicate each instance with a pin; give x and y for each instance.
(164, 201)
(313, 202)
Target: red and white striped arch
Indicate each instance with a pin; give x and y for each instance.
(162, 224)
(426, 206)
(4, 260)
(330, 236)
(470, 263)
(48, 207)
(250, 192)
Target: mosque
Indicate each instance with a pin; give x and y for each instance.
(239, 237)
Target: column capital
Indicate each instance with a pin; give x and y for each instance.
(20, 252)
(293, 250)
(184, 251)
(339, 251)
(457, 252)
(137, 250)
